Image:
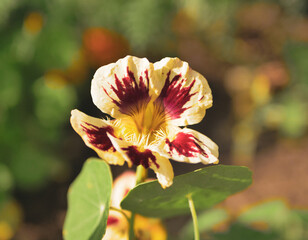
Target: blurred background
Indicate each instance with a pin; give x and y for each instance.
(254, 55)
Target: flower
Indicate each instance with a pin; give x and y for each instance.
(33, 23)
(102, 46)
(117, 224)
(149, 103)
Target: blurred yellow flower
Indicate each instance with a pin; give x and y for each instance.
(10, 219)
(149, 229)
(149, 103)
(33, 23)
(6, 231)
(260, 90)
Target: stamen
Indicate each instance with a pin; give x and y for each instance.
(144, 126)
(161, 133)
(147, 139)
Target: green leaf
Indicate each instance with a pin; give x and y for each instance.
(6, 178)
(10, 85)
(241, 232)
(88, 202)
(207, 187)
(52, 51)
(274, 213)
(294, 117)
(157, 19)
(287, 223)
(296, 58)
(30, 166)
(303, 214)
(206, 221)
(52, 105)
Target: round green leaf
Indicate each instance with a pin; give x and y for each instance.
(88, 202)
(207, 187)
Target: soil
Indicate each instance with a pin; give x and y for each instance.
(278, 173)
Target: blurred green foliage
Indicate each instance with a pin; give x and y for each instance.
(268, 220)
(34, 108)
(206, 221)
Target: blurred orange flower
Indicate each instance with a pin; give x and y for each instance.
(103, 46)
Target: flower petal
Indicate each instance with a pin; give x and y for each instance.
(147, 158)
(163, 170)
(149, 228)
(117, 226)
(187, 145)
(121, 186)
(185, 95)
(124, 87)
(132, 154)
(94, 133)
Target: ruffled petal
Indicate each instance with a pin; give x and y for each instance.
(185, 95)
(124, 87)
(187, 145)
(147, 158)
(163, 170)
(94, 133)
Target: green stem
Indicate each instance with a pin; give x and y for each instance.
(194, 217)
(141, 175)
(120, 211)
(131, 227)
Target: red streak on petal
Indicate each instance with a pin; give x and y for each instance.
(126, 192)
(132, 96)
(174, 95)
(186, 144)
(112, 220)
(141, 158)
(98, 136)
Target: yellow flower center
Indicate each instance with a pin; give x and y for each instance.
(143, 124)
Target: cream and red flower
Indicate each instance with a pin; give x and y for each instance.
(117, 224)
(149, 103)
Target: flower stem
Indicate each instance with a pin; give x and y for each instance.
(194, 217)
(141, 175)
(131, 227)
(120, 211)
